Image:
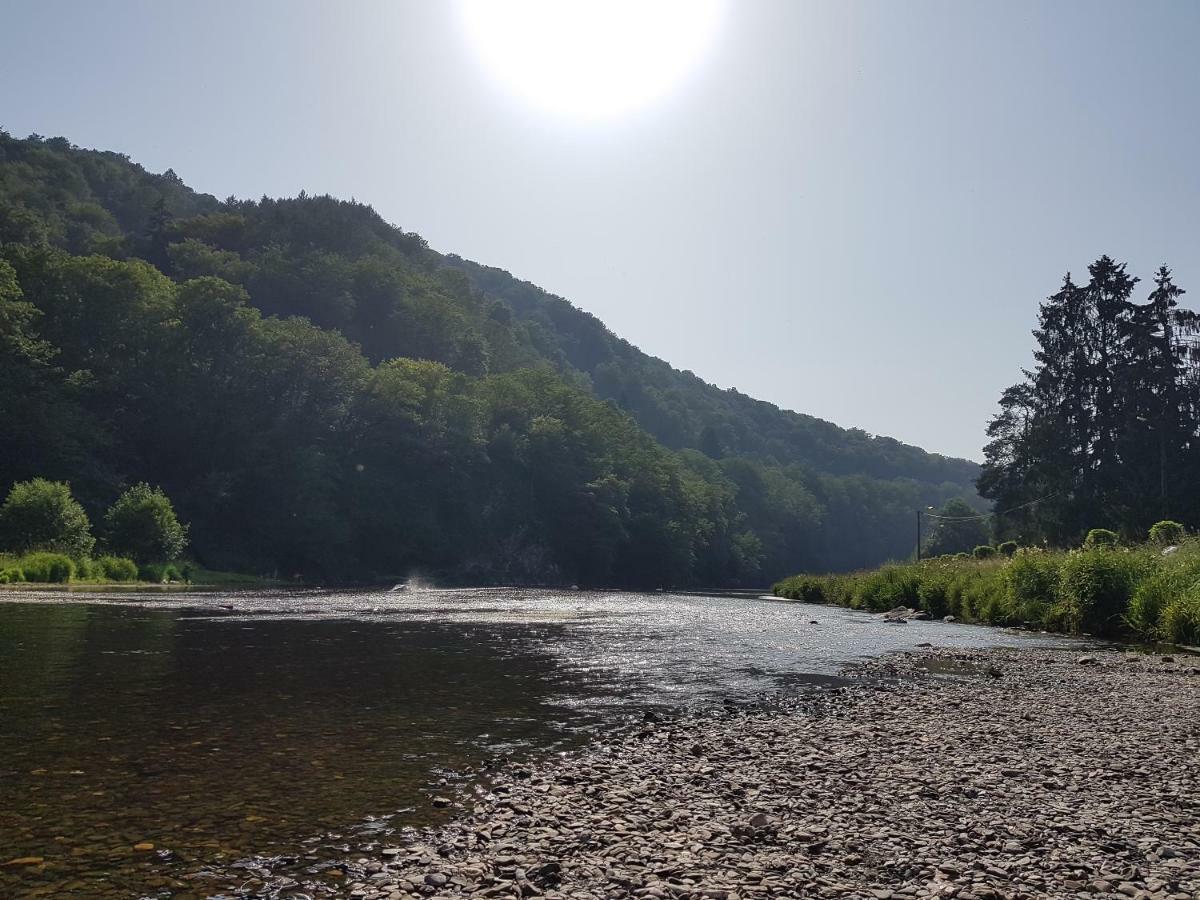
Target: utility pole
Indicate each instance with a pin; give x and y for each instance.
(918, 534)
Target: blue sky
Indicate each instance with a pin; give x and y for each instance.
(849, 209)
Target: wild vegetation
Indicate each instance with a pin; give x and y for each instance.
(321, 394)
(1149, 591)
(48, 538)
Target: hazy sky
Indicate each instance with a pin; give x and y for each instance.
(849, 209)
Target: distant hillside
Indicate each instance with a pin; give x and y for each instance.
(680, 410)
(747, 491)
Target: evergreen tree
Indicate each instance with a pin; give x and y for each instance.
(1102, 432)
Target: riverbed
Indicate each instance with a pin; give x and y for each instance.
(144, 739)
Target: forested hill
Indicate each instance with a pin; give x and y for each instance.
(680, 410)
(322, 393)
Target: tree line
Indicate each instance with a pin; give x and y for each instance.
(321, 394)
(1104, 430)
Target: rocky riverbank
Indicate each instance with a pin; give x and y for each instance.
(984, 774)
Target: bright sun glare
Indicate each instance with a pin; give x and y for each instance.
(590, 58)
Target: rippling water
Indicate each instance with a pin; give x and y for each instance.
(220, 725)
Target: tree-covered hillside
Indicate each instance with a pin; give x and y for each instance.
(323, 394)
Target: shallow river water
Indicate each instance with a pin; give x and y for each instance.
(219, 726)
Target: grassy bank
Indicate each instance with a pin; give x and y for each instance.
(1110, 591)
(44, 569)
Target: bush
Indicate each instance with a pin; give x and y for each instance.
(807, 588)
(888, 588)
(1095, 587)
(1149, 599)
(1166, 532)
(1180, 621)
(159, 573)
(983, 551)
(1100, 537)
(11, 575)
(116, 568)
(962, 554)
(1007, 548)
(42, 515)
(1032, 581)
(142, 525)
(48, 568)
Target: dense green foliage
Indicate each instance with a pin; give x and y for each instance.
(1098, 590)
(322, 394)
(143, 526)
(46, 567)
(116, 568)
(957, 528)
(42, 515)
(1101, 537)
(1103, 430)
(47, 537)
(1167, 532)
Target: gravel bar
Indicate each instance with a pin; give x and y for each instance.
(977, 774)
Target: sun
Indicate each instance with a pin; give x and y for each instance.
(590, 58)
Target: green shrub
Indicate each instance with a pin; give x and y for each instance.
(1166, 532)
(142, 525)
(87, 569)
(159, 573)
(1180, 622)
(1100, 537)
(42, 515)
(116, 568)
(962, 554)
(1007, 548)
(48, 568)
(1032, 581)
(1150, 598)
(889, 587)
(11, 575)
(808, 588)
(983, 551)
(933, 595)
(1095, 587)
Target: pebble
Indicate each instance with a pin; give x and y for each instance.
(1068, 777)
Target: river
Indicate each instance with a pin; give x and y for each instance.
(219, 727)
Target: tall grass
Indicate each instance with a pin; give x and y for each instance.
(58, 568)
(1099, 589)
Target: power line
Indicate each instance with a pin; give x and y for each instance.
(1002, 512)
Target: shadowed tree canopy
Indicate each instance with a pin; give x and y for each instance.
(1104, 432)
(320, 393)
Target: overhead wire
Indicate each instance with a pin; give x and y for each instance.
(989, 515)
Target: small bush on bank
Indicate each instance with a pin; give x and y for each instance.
(1100, 537)
(116, 568)
(1180, 621)
(1095, 589)
(47, 568)
(160, 573)
(1032, 580)
(1007, 548)
(983, 551)
(888, 588)
(11, 575)
(1167, 532)
(807, 588)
